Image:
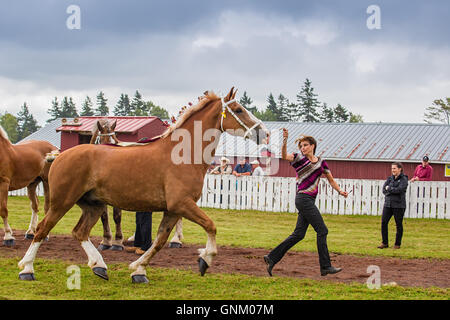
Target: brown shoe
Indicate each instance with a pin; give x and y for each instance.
(396, 247)
(131, 249)
(382, 246)
(139, 251)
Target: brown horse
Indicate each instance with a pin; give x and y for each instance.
(23, 165)
(165, 175)
(103, 133)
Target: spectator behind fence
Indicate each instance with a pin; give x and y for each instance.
(394, 205)
(223, 168)
(423, 172)
(242, 169)
(257, 170)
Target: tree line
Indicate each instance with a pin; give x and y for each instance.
(305, 108)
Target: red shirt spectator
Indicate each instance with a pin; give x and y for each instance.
(423, 172)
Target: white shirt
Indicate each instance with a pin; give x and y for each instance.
(258, 172)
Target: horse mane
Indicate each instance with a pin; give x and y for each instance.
(3, 134)
(208, 97)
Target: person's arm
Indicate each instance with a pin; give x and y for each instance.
(429, 174)
(248, 170)
(403, 185)
(385, 190)
(415, 177)
(334, 184)
(215, 170)
(284, 154)
(235, 172)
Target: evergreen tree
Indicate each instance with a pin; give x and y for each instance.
(9, 122)
(102, 107)
(246, 102)
(273, 108)
(68, 109)
(26, 124)
(123, 107)
(327, 114)
(54, 111)
(340, 114)
(138, 106)
(355, 118)
(159, 112)
(283, 106)
(307, 103)
(266, 115)
(439, 111)
(87, 110)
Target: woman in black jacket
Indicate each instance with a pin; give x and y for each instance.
(394, 205)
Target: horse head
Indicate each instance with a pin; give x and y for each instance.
(104, 133)
(238, 121)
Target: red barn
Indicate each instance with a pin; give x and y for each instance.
(130, 129)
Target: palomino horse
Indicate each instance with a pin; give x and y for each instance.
(23, 165)
(103, 133)
(165, 175)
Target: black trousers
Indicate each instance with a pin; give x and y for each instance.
(398, 214)
(308, 214)
(143, 235)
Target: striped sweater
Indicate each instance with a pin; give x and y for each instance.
(308, 173)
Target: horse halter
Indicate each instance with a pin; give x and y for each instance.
(97, 140)
(225, 106)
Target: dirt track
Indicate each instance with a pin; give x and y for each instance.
(405, 272)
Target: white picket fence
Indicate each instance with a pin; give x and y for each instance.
(424, 199)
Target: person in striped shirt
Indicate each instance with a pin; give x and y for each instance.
(309, 168)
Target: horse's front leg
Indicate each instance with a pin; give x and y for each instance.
(106, 243)
(8, 239)
(117, 244)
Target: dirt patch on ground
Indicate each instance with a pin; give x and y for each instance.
(405, 272)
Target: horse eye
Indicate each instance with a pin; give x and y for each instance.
(238, 110)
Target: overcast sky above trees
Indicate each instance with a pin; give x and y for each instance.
(174, 50)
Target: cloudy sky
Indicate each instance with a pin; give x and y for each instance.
(173, 50)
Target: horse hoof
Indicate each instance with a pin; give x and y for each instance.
(27, 276)
(103, 247)
(101, 272)
(9, 243)
(116, 248)
(139, 278)
(175, 245)
(202, 265)
(29, 236)
(46, 239)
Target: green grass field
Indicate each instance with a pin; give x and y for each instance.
(356, 235)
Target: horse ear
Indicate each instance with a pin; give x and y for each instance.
(234, 94)
(229, 95)
(99, 126)
(114, 125)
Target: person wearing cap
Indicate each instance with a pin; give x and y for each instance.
(257, 170)
(223, 168)
(242, 169)
(423, 172)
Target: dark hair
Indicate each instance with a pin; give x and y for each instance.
(309, 139)
(398, 165)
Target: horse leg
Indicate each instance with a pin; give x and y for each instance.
(191, 211)
(31, 188)
(42, 230)
(167, 223)
(117, 243)
(46, 199)
(178, 236)
(8, 239)
(81, 232)
(106, 243)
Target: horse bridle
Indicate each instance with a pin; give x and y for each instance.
(97, 140)
(225, 107)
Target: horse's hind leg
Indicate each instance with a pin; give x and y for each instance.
(8, 239)
(178, 235)
(106, 243)
(117, 243)
(81, 232)
(167, 223)
(31, 188)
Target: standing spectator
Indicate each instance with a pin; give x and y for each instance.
(257, 170)
(394, 205)
(223, 168)
(242, 169)
(423, 172)
(143, 234)
(309, 168)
